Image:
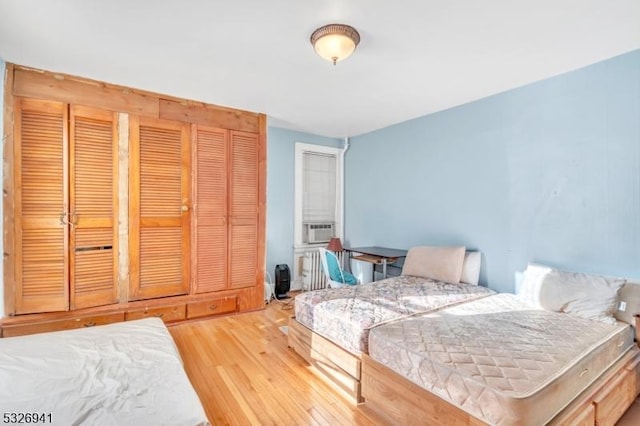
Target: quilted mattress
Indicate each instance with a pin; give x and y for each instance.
(345, 315)
(500, 359)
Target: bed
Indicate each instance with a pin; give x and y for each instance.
(117, 374)
(504, 361)
(331, 326)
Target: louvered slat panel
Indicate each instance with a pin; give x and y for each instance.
(160, 172)
(94, 272)
(244, 169)
(243, 255)
(93, 203)
(43, 263)
(243, 244)
(161, 259)
(42, 164)
(41, 260)
(93, 237)
(210, 260)
(93, 180)
(93, 266)
(211, 174)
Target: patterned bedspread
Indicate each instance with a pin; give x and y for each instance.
(499, 358)
(345, 315)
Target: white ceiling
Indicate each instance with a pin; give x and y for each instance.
(415, 56)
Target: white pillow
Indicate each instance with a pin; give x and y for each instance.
(630, 295)
(437, 263)
(584, 295)
(532, 282)
(471, 268)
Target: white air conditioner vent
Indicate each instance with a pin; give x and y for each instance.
(319, 232)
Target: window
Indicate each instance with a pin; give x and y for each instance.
(318, 187)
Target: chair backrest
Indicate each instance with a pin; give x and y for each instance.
(325, 268)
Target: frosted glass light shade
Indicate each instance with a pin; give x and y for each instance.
(335, 42)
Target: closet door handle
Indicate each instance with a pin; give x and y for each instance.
(73, 219)
(184, 208)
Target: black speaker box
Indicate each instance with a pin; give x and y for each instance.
(283, 281)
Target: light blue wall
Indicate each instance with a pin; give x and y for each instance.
(2, 71)
(549, 172)
(280, 191)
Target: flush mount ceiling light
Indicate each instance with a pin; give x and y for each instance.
(335, 42)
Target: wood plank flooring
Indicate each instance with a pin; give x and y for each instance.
(245, 373)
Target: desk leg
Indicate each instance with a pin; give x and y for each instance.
(384, 268)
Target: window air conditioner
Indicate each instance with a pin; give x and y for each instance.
(319, 232)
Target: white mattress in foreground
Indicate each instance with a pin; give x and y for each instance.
(500, 359)
(119, 374)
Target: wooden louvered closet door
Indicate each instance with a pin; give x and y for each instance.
(243, 210)
(159, 208)
(41, 238)
(210, 208)
(66, 166)
(93, 207)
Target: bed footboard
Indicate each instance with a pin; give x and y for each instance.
(400, 401)
(341, 369)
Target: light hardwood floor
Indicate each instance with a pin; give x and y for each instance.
(245, 374)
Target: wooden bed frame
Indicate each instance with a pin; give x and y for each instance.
(336, 366)
(399, 401)
(396, 399)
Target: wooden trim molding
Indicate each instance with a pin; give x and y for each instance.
(123, 207)
(262, 211)
(134, 203)
(33, 83)
(198, 113)
(8, 202)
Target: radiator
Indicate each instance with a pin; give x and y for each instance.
(312, 276)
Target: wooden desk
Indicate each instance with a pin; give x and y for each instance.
(376, 255)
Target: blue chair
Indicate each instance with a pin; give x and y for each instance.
(336, 276)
